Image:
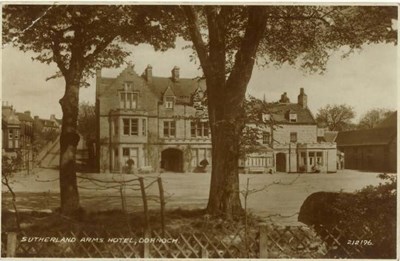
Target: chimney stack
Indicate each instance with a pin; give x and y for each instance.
(302, 99)
(36, 118)
(175, 74)
(284, 98)
(28, 113)
(148, 73)
(52, 117)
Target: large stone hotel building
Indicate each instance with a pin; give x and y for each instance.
(158, 123)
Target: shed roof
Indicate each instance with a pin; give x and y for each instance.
(375, 136)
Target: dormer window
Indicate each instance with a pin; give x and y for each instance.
(292, 117)
(169, 102)
(266, 117)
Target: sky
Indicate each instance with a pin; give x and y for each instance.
(365, 80)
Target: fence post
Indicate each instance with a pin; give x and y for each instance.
(146, 246)
(162, 204)
(144, 198)
(11, 244)
(204, 252)
(263, 241)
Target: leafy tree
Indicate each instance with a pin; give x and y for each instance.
(373, 118)
(228, 40)
(87, 128)
(80, 39)
(336, 117)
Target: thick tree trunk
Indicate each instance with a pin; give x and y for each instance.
(68, 142)
(224, 190)
(225, 97)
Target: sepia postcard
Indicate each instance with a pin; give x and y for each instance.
(199, 130)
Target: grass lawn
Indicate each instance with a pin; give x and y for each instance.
(279, 202)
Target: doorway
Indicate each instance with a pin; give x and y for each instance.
(281, 162)
(172, 160)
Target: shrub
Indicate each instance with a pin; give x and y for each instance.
(371, 212)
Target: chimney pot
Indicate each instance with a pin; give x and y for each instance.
(175, 73)
(302, 98)
(284, 98)
(148, 74)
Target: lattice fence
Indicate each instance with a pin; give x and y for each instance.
(269, 241)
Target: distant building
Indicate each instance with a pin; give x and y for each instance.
(11, 129)
(292, 145)
(371, 149)
(17, 134)
(48, 125)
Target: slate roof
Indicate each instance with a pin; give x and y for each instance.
(24, 117)
(375, 136)
(330, 136)
(12, 119)
(280, 113)
(183, 89)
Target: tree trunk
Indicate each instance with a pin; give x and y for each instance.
(224, 190)
(68, 143)
(225, 97)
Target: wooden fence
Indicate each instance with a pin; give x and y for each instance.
(268, 241)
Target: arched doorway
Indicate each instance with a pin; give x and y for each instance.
(172, 160)
(281, 162)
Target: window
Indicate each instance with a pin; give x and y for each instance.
(199, 129)
(266, 138)
(125, 152)
(126, 126)
(169, 102)
(293, 137)
(116, 152)
(10, 134)
(131, 127)
(128, 100)
(311, 156)
(144, 129)
(134, 127)
(292, 117)
(319, 158)
(193, 128)
(169, 128)
(266, 116)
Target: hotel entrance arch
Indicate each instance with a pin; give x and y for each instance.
(172, 160)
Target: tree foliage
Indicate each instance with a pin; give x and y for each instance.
(81, 39)
(336, 117)
(85, 34)
(87, 120)
(373, 118)
(228, 40)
